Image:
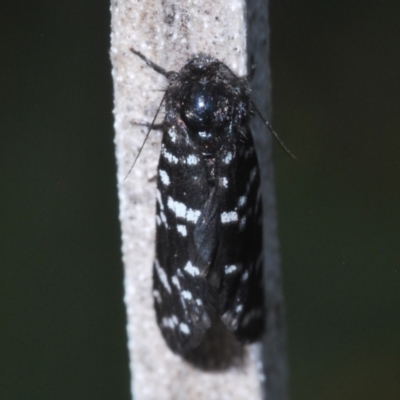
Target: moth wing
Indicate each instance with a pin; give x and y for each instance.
(182, 296)
(180, 312)
(239, 255)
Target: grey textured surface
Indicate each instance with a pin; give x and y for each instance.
(168, 33)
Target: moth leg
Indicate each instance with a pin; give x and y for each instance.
(156, 67)
(155, 127)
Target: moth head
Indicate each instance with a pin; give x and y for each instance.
(206, 106)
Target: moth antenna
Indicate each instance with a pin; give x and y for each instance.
(146, 137)
(150, 63)
(278, 139)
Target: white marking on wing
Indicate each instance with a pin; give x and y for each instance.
(159, 200)
(228, 158)
(163, 219)
(164, 177)
(175, 281)
(172, 134)
(191, 269)
(157, 296)
(242, 201)
(168, 156)
(192, 160)
(239, 308)
(184, 328)
(192, 215)
(187, 295)
(163, 276)
(230, 216)
(182, 229)
(177, 207)
(181, 211)
(224, 182)
(230, 268)
(169, 322)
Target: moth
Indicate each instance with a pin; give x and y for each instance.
(208, 264)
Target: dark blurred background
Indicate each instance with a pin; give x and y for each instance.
(336, 103)
(336, 98)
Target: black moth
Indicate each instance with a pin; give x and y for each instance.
(208, 263)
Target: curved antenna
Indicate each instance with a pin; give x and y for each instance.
(278, 139)
(145, 139)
